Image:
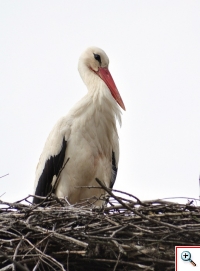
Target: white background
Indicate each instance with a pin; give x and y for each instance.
(154, 51)
(186, 266)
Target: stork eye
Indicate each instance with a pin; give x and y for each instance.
(97, 57)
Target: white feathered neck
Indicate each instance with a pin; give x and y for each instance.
(99, 97)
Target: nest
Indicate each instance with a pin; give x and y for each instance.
(126, 234)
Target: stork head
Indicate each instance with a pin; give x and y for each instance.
(94, 60)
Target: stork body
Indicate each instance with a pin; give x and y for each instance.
(87, 135)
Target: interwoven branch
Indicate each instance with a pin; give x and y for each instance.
(127, 234)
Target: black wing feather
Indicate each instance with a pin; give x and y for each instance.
(52, 167)
(114, 170)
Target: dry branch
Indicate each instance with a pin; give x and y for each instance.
(127, 234)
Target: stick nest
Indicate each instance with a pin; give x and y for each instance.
(127, 234)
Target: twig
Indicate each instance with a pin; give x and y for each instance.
(4, 175)
(7, 267)
(16, 250)
(52, 260)
(134, 210)
(20, 266)
(124, 235)
(117, 262)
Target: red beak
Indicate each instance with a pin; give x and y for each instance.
(107, 78)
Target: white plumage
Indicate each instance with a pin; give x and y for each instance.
(87, 135)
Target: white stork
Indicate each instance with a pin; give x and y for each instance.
(87, 135)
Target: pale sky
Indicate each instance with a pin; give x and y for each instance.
(154, 52)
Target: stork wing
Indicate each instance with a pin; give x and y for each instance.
(114, 170)
(115, 159)
(51, 168)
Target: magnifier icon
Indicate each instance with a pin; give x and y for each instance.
(186, 256)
